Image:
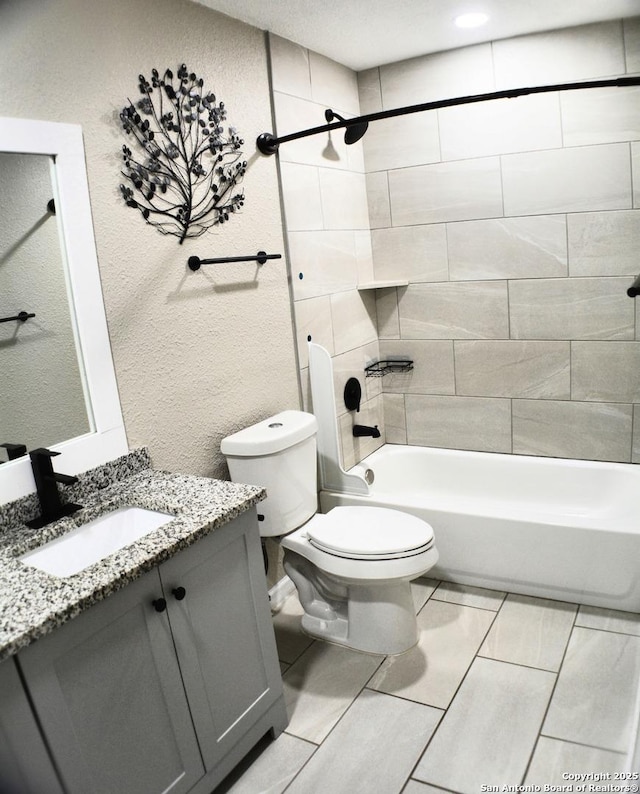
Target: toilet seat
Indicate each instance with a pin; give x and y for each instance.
(369, 533)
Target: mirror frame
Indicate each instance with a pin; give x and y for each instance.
(107, 440)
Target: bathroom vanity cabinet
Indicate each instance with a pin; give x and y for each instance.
(165, 685)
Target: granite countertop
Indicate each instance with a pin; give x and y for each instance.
(33, 603)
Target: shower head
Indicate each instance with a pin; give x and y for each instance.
(353, 132)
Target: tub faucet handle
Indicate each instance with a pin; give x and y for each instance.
(360, 431)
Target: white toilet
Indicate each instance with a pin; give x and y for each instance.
(353, 566)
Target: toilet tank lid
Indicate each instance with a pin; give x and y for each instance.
(271, 435)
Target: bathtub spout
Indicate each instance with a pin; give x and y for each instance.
(363, 430)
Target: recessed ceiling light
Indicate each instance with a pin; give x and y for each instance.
(471, 20)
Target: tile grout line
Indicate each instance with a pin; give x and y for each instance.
(478, 655)
(453, 697)
(546, 711)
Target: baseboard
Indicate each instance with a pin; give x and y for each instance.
(279, 593)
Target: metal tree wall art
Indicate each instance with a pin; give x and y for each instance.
(182, 171)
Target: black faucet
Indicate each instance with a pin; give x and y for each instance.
(14, 451)
(363, 430)
(46, 484)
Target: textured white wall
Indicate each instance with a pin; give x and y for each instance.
(197, 356)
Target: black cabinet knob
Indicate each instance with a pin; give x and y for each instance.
(159, 604)
(179, 593)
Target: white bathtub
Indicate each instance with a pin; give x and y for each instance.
(562, 529)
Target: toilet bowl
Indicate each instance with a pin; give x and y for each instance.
(353, 566)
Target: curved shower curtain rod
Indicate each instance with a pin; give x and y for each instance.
(268, 143)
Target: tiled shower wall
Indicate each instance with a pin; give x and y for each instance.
(517, 226)
(328, 235)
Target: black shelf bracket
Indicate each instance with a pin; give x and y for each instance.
(388, 367)
(21, 316)
(261, 257)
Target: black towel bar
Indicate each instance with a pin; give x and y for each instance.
(22, 316)
(261, 257)
(634, 289)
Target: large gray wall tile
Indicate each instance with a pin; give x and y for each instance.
(344, 199)
(567, 180)
(635, 448)
(438, 76)
(432, 371)
(560, 55)
(301, 197)
(490, 729)
(289, 67)
(605, 371)
(402, 142)
(453, 191)
(479, 423)
(351, 364)
(378, 200)
(333, 84)
(599, 676)
(369, 91)
(587, 308)
(322, 262)
(635, 167)
(353, 317)
(591, 431)
(387, 313)
(355, 449)
(604, 243)
(500, 127)
(415, 253)
(293, 113)
(373, 749)
(602, 115)
(631, 29)
(313, 322)
(460, 310)
(395, 423)
(529, 247)
(511, 368)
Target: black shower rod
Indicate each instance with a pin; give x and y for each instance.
(268, 143)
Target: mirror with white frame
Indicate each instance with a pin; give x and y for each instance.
(77, 394)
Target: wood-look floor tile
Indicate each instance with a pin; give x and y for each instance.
(530, 631)
(372, 749)
(430, 673)
(554, 758)
(489, 731)
(321, 686)
(594, 700)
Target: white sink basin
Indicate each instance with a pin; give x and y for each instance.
(95, 540)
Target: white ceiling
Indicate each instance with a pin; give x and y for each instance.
(365, 33)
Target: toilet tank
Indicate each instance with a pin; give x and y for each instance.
(279, 454)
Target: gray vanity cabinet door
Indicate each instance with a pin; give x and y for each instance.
(107, 690)
(224, 635)
(21, 773)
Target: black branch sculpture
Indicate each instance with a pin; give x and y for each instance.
(183, 175)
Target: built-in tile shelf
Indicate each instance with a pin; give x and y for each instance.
(383, 284)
